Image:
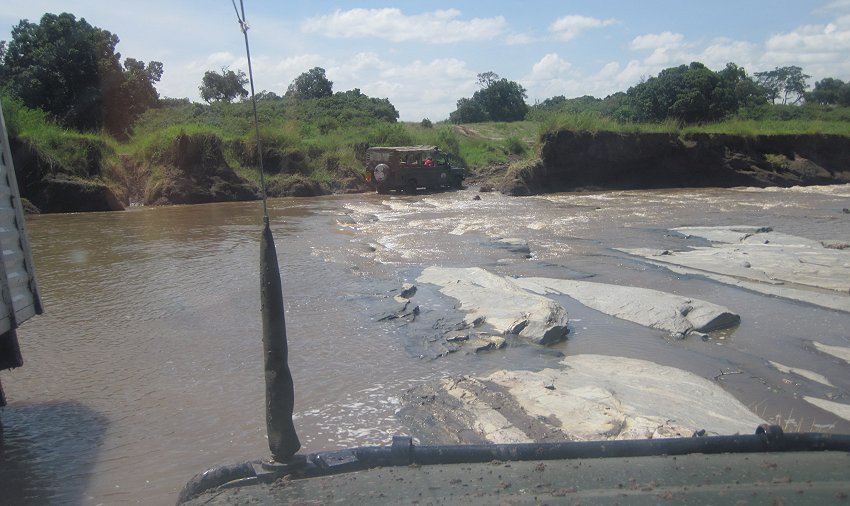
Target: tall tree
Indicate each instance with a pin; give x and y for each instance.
(785, 83)
(311, 84)
(497, 100)
(503, 100)
(690, 94)
(830, 91)
(735, 89)
(70, 69)
(485, 79)
(130, 94)
(223, 87)
(468, 111)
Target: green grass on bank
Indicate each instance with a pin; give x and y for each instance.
(830, 124)
(62, 151)
(751, 128)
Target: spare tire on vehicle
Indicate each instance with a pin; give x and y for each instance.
(381, 171)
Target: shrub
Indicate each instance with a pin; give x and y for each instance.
(515, 145)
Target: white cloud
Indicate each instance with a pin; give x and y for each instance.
(656, 41)
(610, 78)
(548, 77)
(213, 61)
(294, 65)
(634, 72)
(722, 51)
(436, 27)
(570, 27)
(516, 39)
(834, 6)
(672, 49)
(549, 67)
(820, 49)
(448, 79)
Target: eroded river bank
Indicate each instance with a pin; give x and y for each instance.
(146, 367)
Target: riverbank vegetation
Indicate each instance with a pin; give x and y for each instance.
(108, 127)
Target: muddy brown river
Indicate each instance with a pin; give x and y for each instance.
(146, 367)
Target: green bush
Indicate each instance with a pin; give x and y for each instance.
(389, 134)
(515, 145)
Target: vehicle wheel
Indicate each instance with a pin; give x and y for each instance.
(457, 183)
(381, 171)
(383, 190)
(411, 186)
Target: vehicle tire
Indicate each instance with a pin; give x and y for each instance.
(381, 172)
(411, 186)
(383, 190)
(457, 183)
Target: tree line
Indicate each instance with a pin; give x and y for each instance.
(687, 94)
(70, 69)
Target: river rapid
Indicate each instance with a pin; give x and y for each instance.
(146, 367)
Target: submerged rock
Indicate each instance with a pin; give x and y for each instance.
(486, 343)
(514, 245)
(805, 373)
(407, 292)
(842, 352)
(836, 408)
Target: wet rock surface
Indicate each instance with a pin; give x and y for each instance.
(675, 314)
(587, 397)
(764, 260)
(501, 302)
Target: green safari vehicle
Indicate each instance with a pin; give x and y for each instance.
(409, 168)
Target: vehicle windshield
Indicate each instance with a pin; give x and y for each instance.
(495, 223)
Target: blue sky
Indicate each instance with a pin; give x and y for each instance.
(425, 56)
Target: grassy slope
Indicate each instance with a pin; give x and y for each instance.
(82, 157)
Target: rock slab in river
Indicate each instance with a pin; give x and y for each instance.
(675, 314)
(763, 260)
(504, 304)
(591, 397)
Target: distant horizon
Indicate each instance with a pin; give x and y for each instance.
(424, 59)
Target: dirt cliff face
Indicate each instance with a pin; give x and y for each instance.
(194, 171)
(52, 188)
(606, 160)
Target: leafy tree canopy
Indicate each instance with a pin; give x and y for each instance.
(787, 84)
(468, 111)
(691, 94)
(223, 87)
(348, 107)
(70, 69)
(311, 84)
(497, 100)
(830, 91)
